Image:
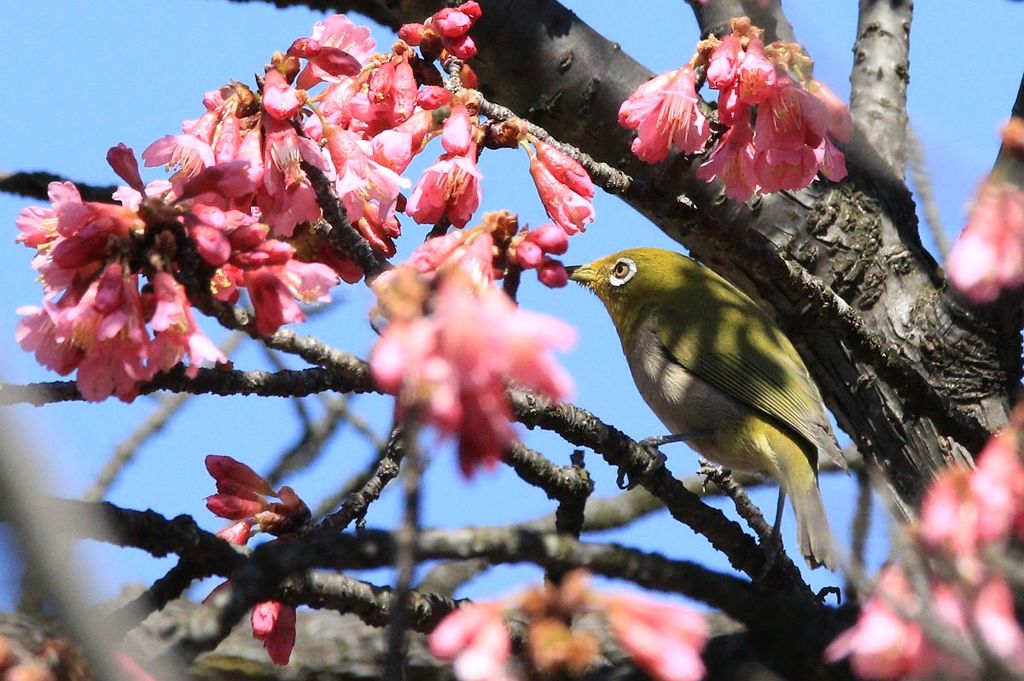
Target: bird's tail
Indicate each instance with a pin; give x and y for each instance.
(799, 480)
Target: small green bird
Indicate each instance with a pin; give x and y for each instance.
(720, 374)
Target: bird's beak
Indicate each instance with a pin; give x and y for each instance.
(581, 274)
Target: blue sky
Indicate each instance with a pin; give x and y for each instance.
(84, 79)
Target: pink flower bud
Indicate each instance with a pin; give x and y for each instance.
(237, 533)
(248, 236)
(411, 33)
(232, 507)
(226, 468)
(552, 274)
(550, 237)
(230, 179)
(566, 169)
(722, 63)
(122, 159)
(450, 22)
(432, 97)
(280, 99)
(462, 47)
(304, 48)
(336, 62)
(274, 624)
(457, 135)
(528, 254)
(267, 254)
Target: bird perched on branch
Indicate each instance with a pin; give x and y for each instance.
(722, 376)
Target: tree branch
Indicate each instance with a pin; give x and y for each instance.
(34, 184)
(878, 82)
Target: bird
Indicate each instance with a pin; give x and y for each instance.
(721, 375)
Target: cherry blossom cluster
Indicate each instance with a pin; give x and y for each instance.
(664, 640)
(778, 121)
(988, 258)
(454, 341)
(329, 116)
(242, 497)
(967, 516)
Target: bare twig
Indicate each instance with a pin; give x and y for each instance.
(921, 177)
(34, 184)
(405, 548)
(861, 530)
(369, 490)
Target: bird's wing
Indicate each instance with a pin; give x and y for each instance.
(743, 353)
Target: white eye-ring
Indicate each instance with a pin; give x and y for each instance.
(622, 271)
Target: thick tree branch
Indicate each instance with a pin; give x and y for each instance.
(878, 82)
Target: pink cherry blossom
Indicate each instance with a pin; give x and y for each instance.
(280, 99)
(665, 640)
(998, 484)
(475, 637)
(840, 122)
(455, 362)
(564, 187)
(722, 63)
(368, 189)
(883, 644)
(275, 288)
(789, 118)
(989, 255)
(665, 114)
(732, 162)
(389, 99)
(457, 134)
(997, 623)
(337, 32)
(287, 197)
(274, 624)
(177, 334)
(187, 153)
(755, 75)
(778, 169)
(448, 189)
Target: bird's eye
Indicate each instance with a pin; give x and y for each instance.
(622, 271)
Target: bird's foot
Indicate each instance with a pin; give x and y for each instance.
(712, 472)
(827, 591)
(656, 463)
(772, 550)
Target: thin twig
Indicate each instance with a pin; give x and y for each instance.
(921, 178)
(405, 549)
(860, 531)
(748, 510)
(34, 185)
(358, 501)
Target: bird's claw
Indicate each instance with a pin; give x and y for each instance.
(656, 463)
(712, 472)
